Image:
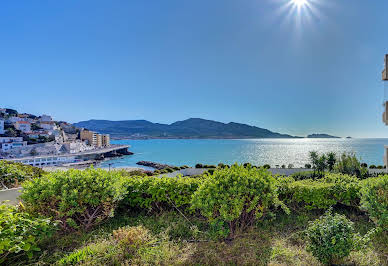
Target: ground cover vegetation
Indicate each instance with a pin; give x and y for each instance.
(233, 215)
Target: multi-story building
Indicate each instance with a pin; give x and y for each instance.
(23, 126)
(2, 131)
(45, 118)
(95, 139)
(385, 114)
(9, 143)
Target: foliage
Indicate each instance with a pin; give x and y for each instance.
(303, 175)
(266, 166)
(159, 193)
(130, 246)
(21, 233)
(79, 199)
(12, 174)
(307, 165)
(332, 237)
(198, 165)
(322, 193)
(374, 199)
(235, 197)
(372, 166)
(350, 165)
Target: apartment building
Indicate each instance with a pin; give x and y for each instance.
(23, 126)
(95, 139)
(385, 113)
(2, 131)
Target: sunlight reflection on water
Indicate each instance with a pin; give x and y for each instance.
(255, 151)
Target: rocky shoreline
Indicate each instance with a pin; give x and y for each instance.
(154, 165)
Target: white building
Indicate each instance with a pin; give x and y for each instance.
(10, 139)
(23, 126)
(10, 143)
(5, 147)
(45, 118)
(40, 161)
(47, 125)
(2, 131)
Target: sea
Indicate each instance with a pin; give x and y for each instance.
(274, 152)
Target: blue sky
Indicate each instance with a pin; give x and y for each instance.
(313, 69)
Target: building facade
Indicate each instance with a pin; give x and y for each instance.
(385, 113)
(95, 139)
(23, 126)
(2, 131)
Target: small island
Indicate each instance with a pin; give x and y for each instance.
(321, 136)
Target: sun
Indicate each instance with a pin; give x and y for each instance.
(300, 3)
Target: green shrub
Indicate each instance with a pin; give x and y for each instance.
(307, 165)
(12, 174)
(374, 199)
(266, 166)
(198, 165)
(350, 165)
(372, 166)
(131, 246)
(322, 193)
(332, 237)
(79, 199)
(304, 175)
(235, 197)
(21, 233)
(161, 193)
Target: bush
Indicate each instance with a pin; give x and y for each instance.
(374, 199)
(332, 237)
(130, 246)
(12, 174)
(21, 233)
(304, 175)
(198, 165)
(235, 197)
(290, 166)
(162, 193)
(350, 165)
(307, 165)
(79, 199)
(323, 193)
(266, 166)
(372, 166)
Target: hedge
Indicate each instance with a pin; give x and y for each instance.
(78, 199)
(158, 193)
(321, 193)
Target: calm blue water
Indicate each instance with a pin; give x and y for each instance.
(256, 151)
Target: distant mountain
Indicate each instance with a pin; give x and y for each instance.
(321, 136)
(190, 128)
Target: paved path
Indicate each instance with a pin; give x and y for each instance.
(11, 195)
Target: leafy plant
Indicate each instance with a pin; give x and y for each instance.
(79, 199)
(322, 193)
(12, 174)
(350, 165)
(332, 237)
(20, 233)
(159, 193)
(374, 199)
(237, 197)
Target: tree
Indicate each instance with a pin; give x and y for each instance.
(331, 160)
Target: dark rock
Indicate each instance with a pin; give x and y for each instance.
(157, 166)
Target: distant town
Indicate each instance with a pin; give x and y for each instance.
(41, 141)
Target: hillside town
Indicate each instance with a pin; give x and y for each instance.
(42, 141)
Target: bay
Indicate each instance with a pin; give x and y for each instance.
(255, 151)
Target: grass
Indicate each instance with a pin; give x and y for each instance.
(177, 241)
